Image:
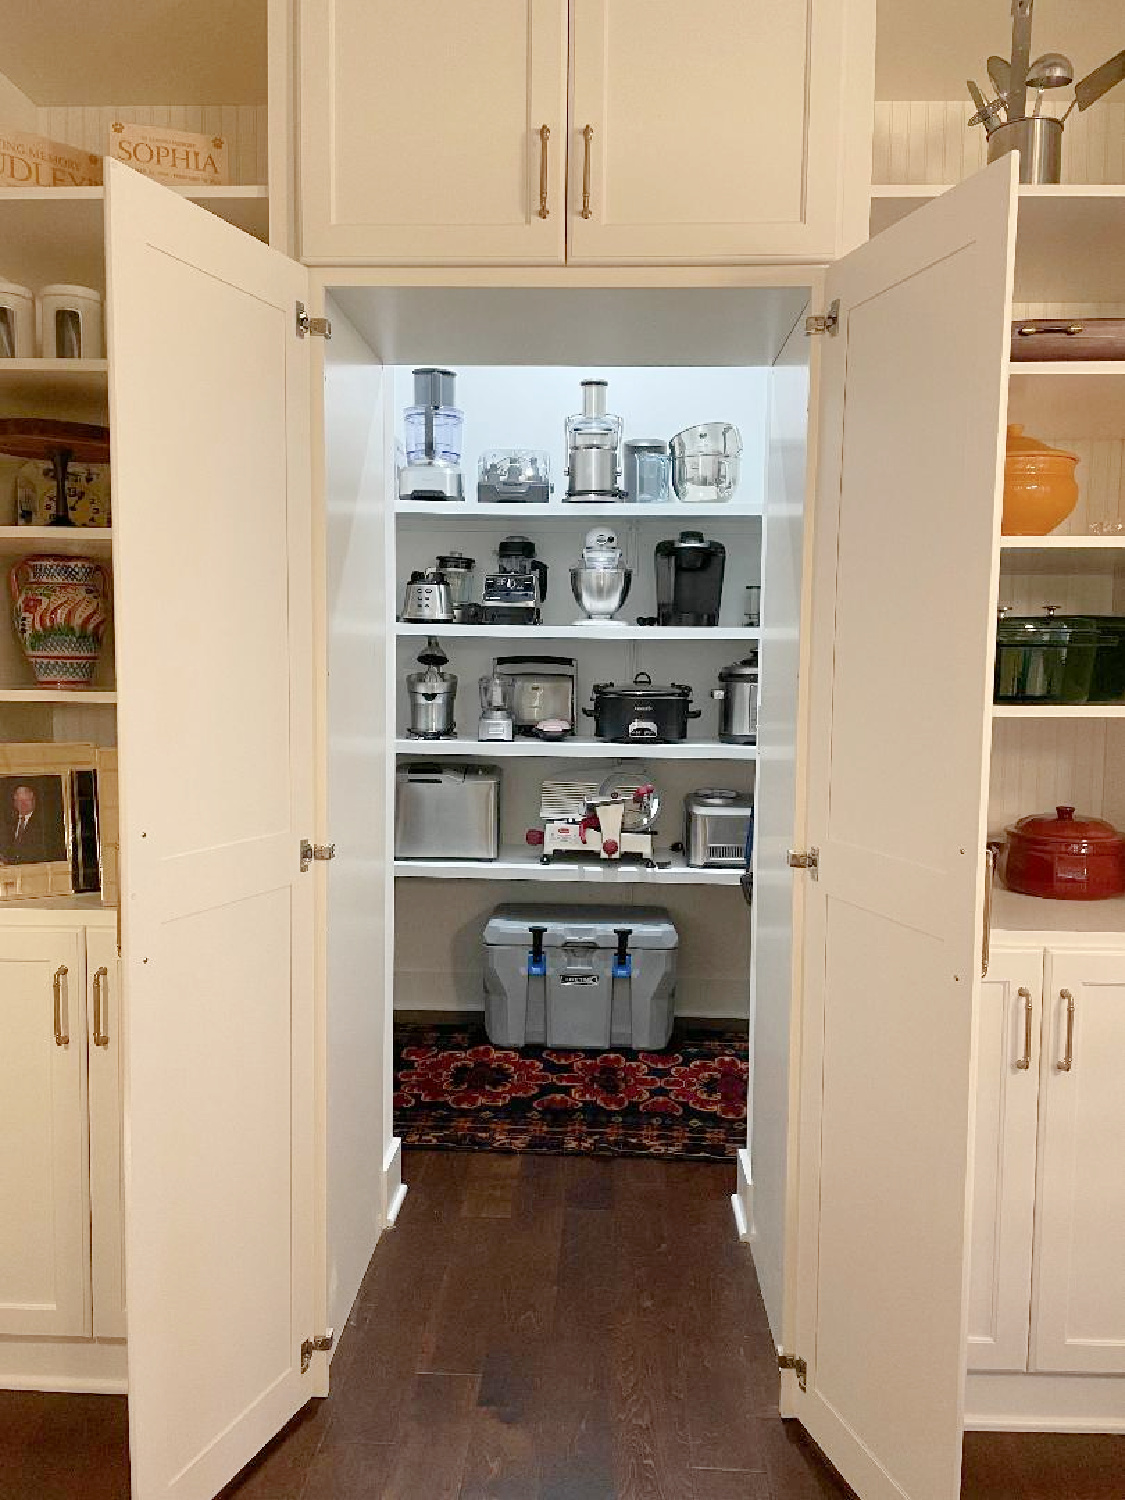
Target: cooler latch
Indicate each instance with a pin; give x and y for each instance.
(537, 958)
(623, 959)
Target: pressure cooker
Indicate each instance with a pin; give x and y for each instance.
(738, 697)
(640, 712)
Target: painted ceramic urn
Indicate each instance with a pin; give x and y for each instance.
(60, 611)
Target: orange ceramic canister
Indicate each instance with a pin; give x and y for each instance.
(1040, 489)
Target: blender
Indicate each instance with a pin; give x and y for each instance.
(433, 428)
(514, 595)
(460, 574)
(593, 440)
(600, 581)
(495, 721)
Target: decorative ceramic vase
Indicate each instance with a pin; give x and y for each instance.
(60, 611)
(1040, 489)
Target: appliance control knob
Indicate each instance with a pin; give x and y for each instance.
(610, 847)
(534, 837)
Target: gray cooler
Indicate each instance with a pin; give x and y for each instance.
(580, 976)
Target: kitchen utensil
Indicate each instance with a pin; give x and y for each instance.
(1040, 489)
(1064, 857)
(17, 321)
(1097, 84)
(495, 708)
(988, 111)
(447, 812)
(432, 694)
(738, 696)
(428, 598)
(689, 580)
(605, 820)
(543, 689)
(1051, 71)
(61, 442)
(641, 711)
(513, 476)
(753, 606)
(1038, 139)
(600, 581)
(433, 428)
(647, 471)
(1062, 338)
(70, 322)
(1000, 72)
(1045, 659)
(718, 826)
(706, 463)
(1021, 57)
(514, 595)
(593, 441)
(460, 575)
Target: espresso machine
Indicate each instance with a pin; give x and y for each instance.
(514, 594)
(433, 427)
(593, 442)
(689, 580)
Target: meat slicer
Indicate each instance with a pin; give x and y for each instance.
(608, 820)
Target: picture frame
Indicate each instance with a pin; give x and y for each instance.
(50, 825)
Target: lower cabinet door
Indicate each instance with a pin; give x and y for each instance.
(44, 1183)
(107, 1182)
(1078, 1307)
(1003, 1206)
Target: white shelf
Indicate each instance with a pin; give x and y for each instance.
(1016, 918)
(519, 863)
(72, 541)
(528, 635)
(1058, 711)
(85, 696)
(574, 749)
(54, 380)
(555, 511)
(1069, 398)
(1062, 554)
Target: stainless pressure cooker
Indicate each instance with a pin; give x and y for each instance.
(738, 715)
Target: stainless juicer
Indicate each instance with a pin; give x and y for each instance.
(593, 442)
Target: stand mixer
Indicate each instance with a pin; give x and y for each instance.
(600, 581)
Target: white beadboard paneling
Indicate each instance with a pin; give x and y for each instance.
(1074, 593)
(1113, 806)
(242, 126)
(1041, 764)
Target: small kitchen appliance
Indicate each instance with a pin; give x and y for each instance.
(647, 471)
(432, 694)
(514, 594)
(738, 696)
(640, 712)
(689, 580)
(460, 575)
(70, 323)
(718, 828)
(600, 581)
(706, 463)
(433, 427)
(593, 441)
(495, 721)
(428, 599)
(447, 812)
(544, 691)
(17, 321)
(1064, 857)
(605, 820)
(513, 476)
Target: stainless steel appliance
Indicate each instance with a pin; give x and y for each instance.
(514, 595)
(718, 828)
(495, 721)
(433, 427)
(460, 575)
(432, 694)
(447, 812)
(593, 442)
(543, 692)
(600, 581)
(706, 463)
(604, 820)
(514, 476)
(641, 711)
(689, 580)
(738, 697)
(648, 471)
(428, 599)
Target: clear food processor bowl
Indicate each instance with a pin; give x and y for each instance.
(706, 463)
(449, 422)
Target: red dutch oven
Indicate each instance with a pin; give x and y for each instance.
(1065, 858)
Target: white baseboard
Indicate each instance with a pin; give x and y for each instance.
(1044, 1403)
(394, 1189)
(73, 1366)
(742, 1198)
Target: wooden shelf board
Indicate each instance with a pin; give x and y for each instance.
(1058, 711)
(556, 511)
(575, 749)
(73, 541)
(1075, 398)
(517, 863)
(528, 635)
(87, 697)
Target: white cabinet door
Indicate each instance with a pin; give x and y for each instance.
(1078, 1310)
(1003, 1207)
(709, 132)
(422, 131)
(44, 1183)
(210, 407)
(897, 772)
(107, 1181)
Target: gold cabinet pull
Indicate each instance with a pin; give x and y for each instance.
(587, 136)
(101, 1033)
(1067, 1061)
(544, 137)
(1024, 1062)
(62, 1007)
(986, 931)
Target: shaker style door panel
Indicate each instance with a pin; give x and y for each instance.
(1078, 1313)
(1003, 1207)
(107, 1183)
(423, 131)
(44, 1183)
(707, 132)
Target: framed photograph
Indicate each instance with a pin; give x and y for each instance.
(50, 835)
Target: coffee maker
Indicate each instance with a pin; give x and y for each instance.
(593, 442)
(433, 427)
(689, 580)
(515, 593)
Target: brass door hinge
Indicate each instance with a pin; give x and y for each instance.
(797, 1365)
(309, 852)
(828, 322)
(320, 328)
(804, 859)
(320, 1345)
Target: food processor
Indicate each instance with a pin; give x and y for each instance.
(495, 721)
(433, 428)
(706, 463)
(593, 441)
(600, 581)
(432, 694)
(514, 476)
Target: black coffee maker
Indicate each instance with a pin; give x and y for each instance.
(689, 580)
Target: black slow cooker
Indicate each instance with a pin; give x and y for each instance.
(642, 712)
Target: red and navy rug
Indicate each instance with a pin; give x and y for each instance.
(454, 1089)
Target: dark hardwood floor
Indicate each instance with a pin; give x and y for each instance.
(539, 1328)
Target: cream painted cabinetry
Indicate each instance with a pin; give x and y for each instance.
(107, 1185)
(530, 131)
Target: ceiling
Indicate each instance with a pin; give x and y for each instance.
(927, 48)
(137, 51)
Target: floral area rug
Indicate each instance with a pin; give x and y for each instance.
(454, 1089)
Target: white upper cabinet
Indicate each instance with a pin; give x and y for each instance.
(433, 132)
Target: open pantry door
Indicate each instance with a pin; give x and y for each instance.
(210, 412)
(909, 467)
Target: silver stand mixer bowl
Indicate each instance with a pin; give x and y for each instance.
(600, 592)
